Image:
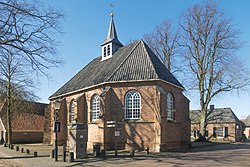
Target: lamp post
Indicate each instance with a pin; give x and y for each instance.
(56, 127)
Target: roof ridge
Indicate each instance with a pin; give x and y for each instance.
(119, 66)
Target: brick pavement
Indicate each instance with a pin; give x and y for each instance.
(236, 154)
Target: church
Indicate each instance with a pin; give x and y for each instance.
(126, 98)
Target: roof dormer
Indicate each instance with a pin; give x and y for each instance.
(111, 44)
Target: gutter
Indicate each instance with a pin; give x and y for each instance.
(103, 83)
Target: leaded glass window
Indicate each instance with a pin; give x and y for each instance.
(132, 105)
(170, 107)
(95, 107)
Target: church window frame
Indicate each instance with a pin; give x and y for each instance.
(132, 105)
(108, 50)
(72, 112)
(95, 107)
(170, 107)
(104, 51)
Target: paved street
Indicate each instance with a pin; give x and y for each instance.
(236, 154)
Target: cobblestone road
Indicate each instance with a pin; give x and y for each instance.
(235, 155)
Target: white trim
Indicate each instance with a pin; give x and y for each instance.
(132, 102)
(72, 113)
(103, 83)
(96, 99)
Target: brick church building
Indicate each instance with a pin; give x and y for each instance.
(126, 96)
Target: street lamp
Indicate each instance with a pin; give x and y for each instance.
(56, 127)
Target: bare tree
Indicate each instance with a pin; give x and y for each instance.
(30, 28)
(210, 42)
(163, 41)
(27, 48)
(16, 83)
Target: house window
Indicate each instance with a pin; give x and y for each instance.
(170, 107)
(206, 133)
(132, 105)
(95, 108)
(108, 50)
(226, 132)
(72, 111)
(104, 52)
(193, 134)
(220, 132)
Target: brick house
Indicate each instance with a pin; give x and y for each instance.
(126, 96)
(222, 126)
(27, 123)
(246, 126)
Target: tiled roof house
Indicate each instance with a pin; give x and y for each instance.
(27, 123)
(246, 126)
(130, 86)
(222, 125)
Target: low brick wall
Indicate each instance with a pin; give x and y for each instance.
(27, 137)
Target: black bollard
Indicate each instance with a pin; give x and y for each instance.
(116, 153)
(17, 148)
(103, 154)
(27, 151)
(11, 146)
(64, 153)
(35, 154)
(147, 150)
(22, 150)
(71, 156)
(132, 153)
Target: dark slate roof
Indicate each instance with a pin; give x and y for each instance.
(246, 121)
(132, 62)
(112, 36)
(219, 115)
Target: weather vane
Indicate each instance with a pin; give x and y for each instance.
(112, 8)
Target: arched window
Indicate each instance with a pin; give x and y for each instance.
(95, 107)
(132, 105)
(72, 111)
(170, 107)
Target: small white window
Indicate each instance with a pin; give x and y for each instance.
(95, 107)
(104, 52)
(108, 50)
(132, 105)
(170, 107)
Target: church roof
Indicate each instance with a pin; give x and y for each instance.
(218, 115)
(112, 36)
(132, 62)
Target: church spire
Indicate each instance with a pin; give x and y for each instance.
(111, 36)
(111, 44)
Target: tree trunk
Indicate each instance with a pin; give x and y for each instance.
(9, 126)
(203, 125)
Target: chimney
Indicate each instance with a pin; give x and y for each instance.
(211, 107)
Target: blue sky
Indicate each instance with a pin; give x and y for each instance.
(86, 24)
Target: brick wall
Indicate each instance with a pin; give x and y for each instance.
(232, 134)
(151, 130)
(27, 137)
